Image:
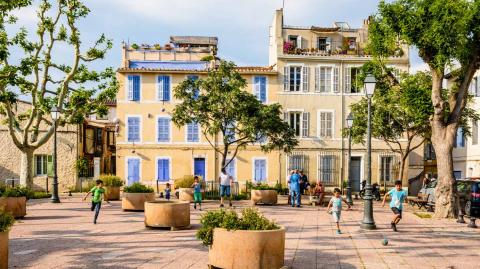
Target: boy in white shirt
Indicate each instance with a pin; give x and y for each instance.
(225, 182)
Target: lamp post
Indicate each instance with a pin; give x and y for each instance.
(55, 113)
(349, 182)
(368, 222)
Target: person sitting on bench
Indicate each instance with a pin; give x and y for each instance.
(319, 192)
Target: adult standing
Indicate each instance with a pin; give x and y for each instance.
(304, 184)
(225, 182)
(294, 182)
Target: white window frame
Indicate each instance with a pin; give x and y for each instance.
(139, 167)
(319, 123)
(266, 87)
(344, 79)
(289, 112)
(157, 97)
(169, 129)
(301, 65)
(392, 168)
(199, 135)
(332, 78)
(266, 167)
(140, 127)
(44, 169)
(127, 90)
(169, 168)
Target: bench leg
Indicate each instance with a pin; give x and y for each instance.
(460, 216)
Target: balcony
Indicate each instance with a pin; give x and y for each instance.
(324, 49)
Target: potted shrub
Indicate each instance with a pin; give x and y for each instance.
(112, 184)
(185, 191)
(14, 200)
(163, 214)
(135, 196)
(6, 222)
(157, 47)
(246, 241)
(134, 46)
(263, 194)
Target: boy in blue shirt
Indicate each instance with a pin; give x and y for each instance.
(398, 197)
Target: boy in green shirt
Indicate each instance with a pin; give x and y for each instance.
(98, 194)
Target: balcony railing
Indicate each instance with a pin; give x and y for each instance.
(324, 49)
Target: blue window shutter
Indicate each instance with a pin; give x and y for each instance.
(133, 129)
(264, 170)
(159, 169)
(256, 87)
(195, 130)
(263, 89)
(130, 171)
(136, 88)
(133, 171)
(257, 170)
(196, 92)
(166, 170)
(163, 132)
(166, 88)
(189, 132)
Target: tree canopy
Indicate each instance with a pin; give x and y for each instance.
(220, 104)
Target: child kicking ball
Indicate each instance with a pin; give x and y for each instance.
(336, 205)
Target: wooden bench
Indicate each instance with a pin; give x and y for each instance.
(420, 201)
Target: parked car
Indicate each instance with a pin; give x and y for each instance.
(430, 190)
(469, 194)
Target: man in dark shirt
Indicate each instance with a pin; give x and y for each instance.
(304, 185)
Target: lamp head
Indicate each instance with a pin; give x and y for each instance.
(370, 83)
(55, 113)
(350, 120)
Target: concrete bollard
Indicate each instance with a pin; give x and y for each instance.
(472, 223)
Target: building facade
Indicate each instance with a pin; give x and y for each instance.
(311, 74)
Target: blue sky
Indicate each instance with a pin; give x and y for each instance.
(241, 26)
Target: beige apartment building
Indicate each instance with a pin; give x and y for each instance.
(317, 67)
(150, 148)
(310, 73)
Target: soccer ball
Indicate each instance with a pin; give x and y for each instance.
(385, 242)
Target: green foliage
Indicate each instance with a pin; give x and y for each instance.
(134, 46)
(225, 107)
(81, 164)
(111, 180)
(207, 58)
(251, 219)
(41, 195)
(185, 182)
(263, 186)
(17, 191)
(89, 185)
(6, 221)
(137, 188)
(240, 196)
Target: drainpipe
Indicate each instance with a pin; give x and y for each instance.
(342, 163)
(216, 158)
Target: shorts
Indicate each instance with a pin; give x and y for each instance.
(336, 216)
(224, 190)
(397, 211)
(197, 197)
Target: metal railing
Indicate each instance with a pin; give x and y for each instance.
(212, 190)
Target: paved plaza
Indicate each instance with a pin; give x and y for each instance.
(63, 236)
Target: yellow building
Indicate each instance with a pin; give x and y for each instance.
(310, 74)
(149, 146)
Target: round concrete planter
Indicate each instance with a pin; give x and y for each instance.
(17, 206)
(4, 250)
(247, 249)
(136, 201)
(185, 194)
(112, 193)
(267, 197)
(162, 214)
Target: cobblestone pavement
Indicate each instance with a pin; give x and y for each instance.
(63, 236)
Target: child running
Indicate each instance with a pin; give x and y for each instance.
(197, 193)
(98, 194)
(336, 205)
(168, 190)
(398, 196)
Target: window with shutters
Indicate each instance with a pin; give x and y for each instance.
(305, 124)
(354, 72)
(474, 88)
(193, 132)
(133, 170)
(293, 79)
(163, 129)
(474, 132)
(43, 165)
(260, 88)
(327, 168)
(133, 88)
(295, 121)
(231, 168)
(260, 170)
(386, 168)
(429, 152)
(163, 88)
(133, 129)
(196, 91)
(294, 40)
(323, 44)
(325, 124)
(298, 161)
(163, 169)
(326, 79)
(459, 141)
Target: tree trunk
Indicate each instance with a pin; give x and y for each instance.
(26, 168)
(402, 167)
(446, 197)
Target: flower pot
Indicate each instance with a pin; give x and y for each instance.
(17, 206)
(112, 193)
(136, 201)
(266, 197)
(172, 214)
(242, 249)
(4, 250)
(185, 194)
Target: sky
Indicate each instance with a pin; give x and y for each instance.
(242, 26)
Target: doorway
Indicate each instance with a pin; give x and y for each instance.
(355, 172)
(199, 167)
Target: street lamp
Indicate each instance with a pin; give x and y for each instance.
(55, 113)
(349, 183)
(368, 222)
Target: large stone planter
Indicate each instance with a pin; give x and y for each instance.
(185, 194)
(247, 249)
(112, 193)
(136, 201)
(267, 197)
(162, 214)
(4, 250)
(17, 206)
